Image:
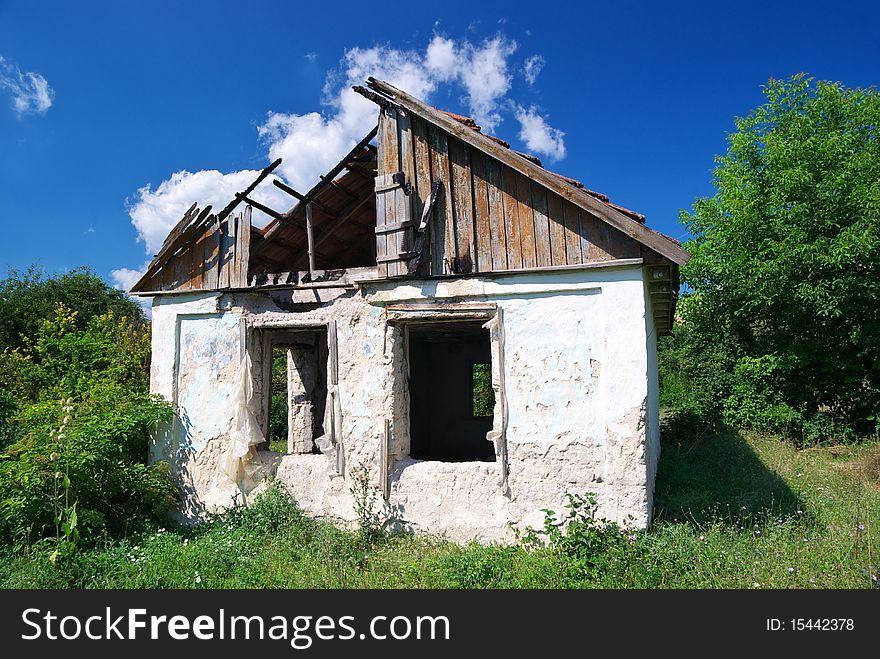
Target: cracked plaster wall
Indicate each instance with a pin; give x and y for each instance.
(580, 377)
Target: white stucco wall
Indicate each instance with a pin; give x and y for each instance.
(581, 405)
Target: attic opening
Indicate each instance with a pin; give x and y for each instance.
(297, 389)
(451, 396)
(331, 227)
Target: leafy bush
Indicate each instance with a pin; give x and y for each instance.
(75, 469)
(590, 544)
(780, 320)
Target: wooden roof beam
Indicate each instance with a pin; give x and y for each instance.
(242, 195)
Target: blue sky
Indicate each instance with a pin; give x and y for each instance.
(191, 98)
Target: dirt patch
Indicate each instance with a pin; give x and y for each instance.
(867, 467)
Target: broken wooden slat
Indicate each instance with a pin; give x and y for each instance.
(557, 229)
(543, 256)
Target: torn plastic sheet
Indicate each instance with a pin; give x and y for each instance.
(331, 440)
(239, 464)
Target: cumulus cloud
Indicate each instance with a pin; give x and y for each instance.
(125, 278)
(312, 143)
(532, 67)
(155, 211)
(538, 136)
(30, 92)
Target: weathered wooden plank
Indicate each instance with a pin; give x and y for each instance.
(557, 229)
(495, 207)
(621, 246)
(332, 355)
(422, 179)
(244, 247)
(526, 221)
(411, 203)
(198, 264)
(572, 217)
(223, 254)
(180, 274)
(389, 154)
(381, 239)
(482, 224)
(212, 257)
(462, 206)
(443, 229)
(543, 255)
(400, 239)
(511, 218)
(594, 238)
(615, 218)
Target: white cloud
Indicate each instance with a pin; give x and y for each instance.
(31, 93)
(125, 278)
(311, 56)
(312, 143)
(155, 211)
(538, 136)
(532, 67)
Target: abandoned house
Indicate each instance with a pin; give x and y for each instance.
(474, 331)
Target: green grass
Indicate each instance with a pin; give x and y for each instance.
(732, 511)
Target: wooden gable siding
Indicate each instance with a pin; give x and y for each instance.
(214, 258)
(488, 217)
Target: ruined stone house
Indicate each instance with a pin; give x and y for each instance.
(430, 256)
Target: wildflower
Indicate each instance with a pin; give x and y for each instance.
(185, 542)
(812, 580)
(198, 578)
(53, 456)
(67, 419)
(791, 569)
(61, 436)
(702, 537)
(800, 512)
(757, 532)
(861, 527)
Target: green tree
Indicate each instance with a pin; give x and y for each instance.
(30, 297)
(781, 320)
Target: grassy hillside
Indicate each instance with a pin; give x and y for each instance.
(733, 511)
